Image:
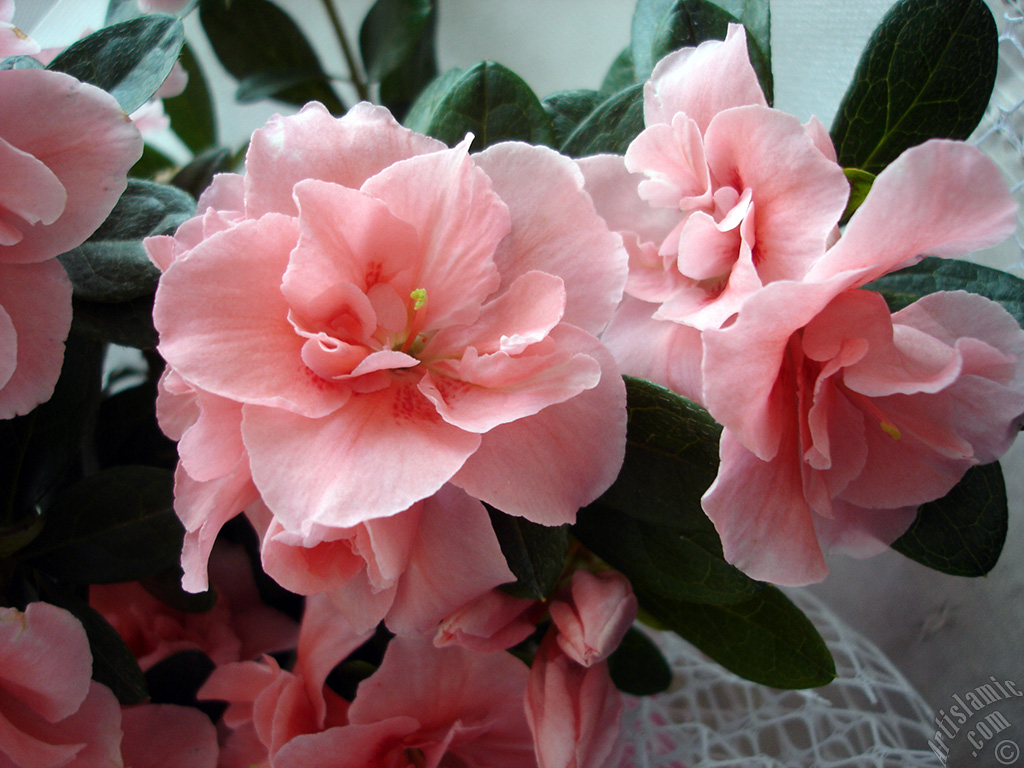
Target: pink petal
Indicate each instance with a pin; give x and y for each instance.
(574, 245)
(14, 42)
(318, 471)
(460, 220)
(31, 191)
(36, 299)
(760, 513)
(860, 532)
(224, 324)
(594, 616)
(168, 736)
(80, 133)
(493, 622)
(571, 451)
(671, 157)
(703, 81)
(315, 145)
(456, 558)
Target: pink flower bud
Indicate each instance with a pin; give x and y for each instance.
(592, 619)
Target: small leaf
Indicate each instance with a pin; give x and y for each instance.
(610, 127)
(567, 109)
(620, 74)
(860, 185)
(637, 666)
(256, 38)
(116, 525)
(962, 533)
(927, 72)
(765, 639)
(191, 111)
(129, 60)
(534, 553)
(112, 265)
(129, 323)
(391, 32)
(20, 62)
(489, 101)
(933, 274)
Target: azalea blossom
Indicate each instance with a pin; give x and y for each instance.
(841, 418)
(379, 315)
(66, 149)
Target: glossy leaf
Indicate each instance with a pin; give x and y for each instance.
(129, 60)
(610, 127)
(489, 101)
(256, 39)
(400, 88)
(191, 111)
(152, 163)
(620, 74)
(663, 26)
(534, 553)
(637, 666)
(391, 32)
(116, 525)
(112, 265)
(567, 109)
(765, 639)
(927, 72)
(962, 533)
(860, 184)
(20, 62)
(933, 274)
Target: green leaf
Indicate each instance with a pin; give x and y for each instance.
(610, 127)
(129, 323)
(620, 74)
(391, 32)
(765, 639)
(567, 109)
(933, 274)
(649, 524)
(20, 62)
(191, 111)
(165, 586)
(113, 663)
(755, 16)
(116, 525)
(400, 88)
(860, 184)
(129, 60)
(256, 39)
(195, 177)
(176, 679)
(489, 101)
(121, 10)
(927, 72)
(534, 553)
(962, 533)
(637, 666)
(112, 265)
(152, 163)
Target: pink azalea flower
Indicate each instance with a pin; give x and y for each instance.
(51, 713)
(574, 711)
(593, 615)
(239, 626)
(66, 148)
(430, 707)
(840, 418)
(493, 622)
(382, 315)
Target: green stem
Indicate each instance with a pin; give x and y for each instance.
(353, 66)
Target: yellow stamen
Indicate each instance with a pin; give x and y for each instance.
(419, 298)
(890, 429)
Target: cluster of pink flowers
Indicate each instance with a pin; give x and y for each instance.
(371, 337)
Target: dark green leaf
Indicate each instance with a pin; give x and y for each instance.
(127, 431)
(255, 38)
(19, 534)
(266, 85)
(567, 109)
(121, 10)
(765, 639)
(860, 185)
(488, 100)
(20, 62)
(610, 127)
(755, 16)
(400, 88)
(129, 60)
(112, 265)
(962, 533)
(176, 679)
(927, 72)
(933, 274)
(165, 586)
(649, 525)
(152, 162)
(426, 105)
(129, 323)
(113, 663)
(38, 451)
(637, 666)
(534, 553)
(191, 111)
(116, 525)
(391, 32)
(620, 74)
(195, 177)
